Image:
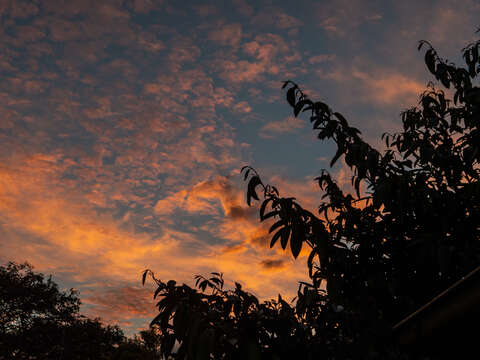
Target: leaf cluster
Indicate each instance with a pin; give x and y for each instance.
(214, 322)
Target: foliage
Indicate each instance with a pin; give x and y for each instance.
(29, 304)
(37, 320)
(144, 346)
(27, 297)
(150, 339)
(382, 252)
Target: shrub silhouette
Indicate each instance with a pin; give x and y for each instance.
(382, 253)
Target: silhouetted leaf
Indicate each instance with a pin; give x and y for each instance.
(270, 214)
(310, 259)
(263, 207)
(337, 155)
(251, 193)
(276, 226)
(285, 236)
(297, 238)
(291, 96)
(430, 60)
(276, 236)
(298, 107)
(157, 291)
(156, 319)
(357, 185)
(341, 119)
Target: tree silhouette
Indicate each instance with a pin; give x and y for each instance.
(382, 252)
(38, 321)
(29, 304)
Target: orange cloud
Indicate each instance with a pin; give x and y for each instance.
(227, 34)
(242, 107)
(73, 237)
(247, 238)
(382, 86)
(321, 58)
(223, 97)
(389, 88)
(275, 128)
(206, 197)
(341, 17)
(270, 55)
(116, 303)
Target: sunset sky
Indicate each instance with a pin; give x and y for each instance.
(124, 123)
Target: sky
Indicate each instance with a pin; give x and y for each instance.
(124, 124)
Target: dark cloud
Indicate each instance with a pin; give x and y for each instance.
(273, 263)
(123, 302)
(239, 212)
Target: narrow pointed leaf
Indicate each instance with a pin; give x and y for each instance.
(276, 236)
(296, 241)
(263, 208)
(251, 193)
(276, 226)
(269, 215)
(285, 236)
(430, 60)
(298, 107)
(337, 155)
(291, 96)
